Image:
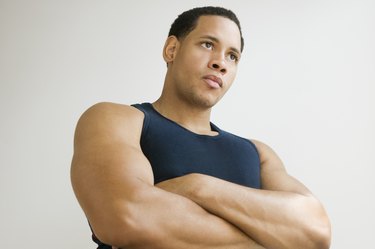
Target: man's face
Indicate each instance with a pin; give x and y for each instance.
(205, 62)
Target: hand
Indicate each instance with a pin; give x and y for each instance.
(186, 185)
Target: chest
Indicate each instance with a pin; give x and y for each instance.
(229, 158)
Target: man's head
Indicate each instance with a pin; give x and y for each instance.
(202, 54)
(188, 20)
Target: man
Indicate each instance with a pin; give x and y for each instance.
(161, 175)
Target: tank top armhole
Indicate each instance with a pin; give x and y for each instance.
(247, 140)
(255, 148)
(146, 120)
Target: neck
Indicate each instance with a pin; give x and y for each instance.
(191, 117)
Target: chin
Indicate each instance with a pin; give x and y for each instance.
(205, 103)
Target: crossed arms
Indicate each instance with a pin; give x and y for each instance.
(114, 185)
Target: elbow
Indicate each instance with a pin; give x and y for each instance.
(320, 237)
(319, 228)
(322, 234)
(125, 227)
(115, 231)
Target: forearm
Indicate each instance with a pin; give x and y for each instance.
(275, 219)
(160, 219)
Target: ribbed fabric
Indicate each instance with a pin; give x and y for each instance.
(175, 151)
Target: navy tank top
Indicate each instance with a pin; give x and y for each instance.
(175, 151)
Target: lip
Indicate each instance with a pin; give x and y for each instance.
(212, 80)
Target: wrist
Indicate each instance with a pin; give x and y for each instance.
(199, 189)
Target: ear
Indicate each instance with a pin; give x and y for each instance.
(170, 49)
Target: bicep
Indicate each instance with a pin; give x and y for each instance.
(274, 175)
(108, 174)
(108, 166)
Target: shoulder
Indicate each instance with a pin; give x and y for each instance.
(111, 110)
(266, 153)
(261, 146)
(109, 120)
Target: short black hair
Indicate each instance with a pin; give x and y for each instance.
(187, 21)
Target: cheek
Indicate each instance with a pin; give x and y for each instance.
(192, 66)
(194, 58)
(230, 77)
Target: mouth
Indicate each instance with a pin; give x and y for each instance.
(213, 81)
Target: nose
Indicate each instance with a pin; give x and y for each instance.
(218, 64)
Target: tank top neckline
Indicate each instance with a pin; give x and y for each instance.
(213, 126)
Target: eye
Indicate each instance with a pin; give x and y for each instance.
(233, 57)
(208, 45)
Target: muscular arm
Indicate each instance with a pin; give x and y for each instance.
(113, 183)
(282, 215)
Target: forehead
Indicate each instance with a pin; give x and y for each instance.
(222, 28)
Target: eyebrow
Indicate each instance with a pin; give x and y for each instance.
(213, 38)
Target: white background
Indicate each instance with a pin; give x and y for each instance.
(305, 86)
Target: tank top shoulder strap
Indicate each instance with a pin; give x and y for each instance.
(146, 108)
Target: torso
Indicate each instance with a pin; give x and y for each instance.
(175, 151)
